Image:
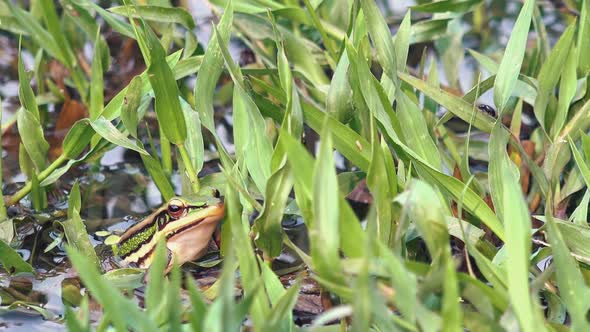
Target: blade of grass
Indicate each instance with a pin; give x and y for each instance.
(518, 246)
(31, 134)
(157, 14)
(549, 75)
(513, 56)
(572, 287)
(123, 312)
(584, 43)
(211, 69)
(131, 103)
(96, 81)
(75, 230)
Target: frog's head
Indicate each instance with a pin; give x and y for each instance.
(185, 223)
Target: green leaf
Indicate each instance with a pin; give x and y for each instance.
(123, 312)
(269, 223)
(518, 250)
(211, 69)
(25, 92)
(83, 19)
(549, 75)
(379, 31)
(109, 132)
(41, 36)
(154, 168)
(31, 134)
(584, 43)
(377, 178)
(252, 143)
(157, 14)
(324, 233)
(499, 162)
(77, 138)
(75, 230)
(12, 262)
(129, 115)
(282, 311)
(352, 235)
(402, 41)
(339, 98)
(118, 25)
(513, 56)
(429, 30)
(198, 305)
(572, 286)
(403, 280)
(249, 269)
(455, 6)
(194, 139)
(55, 29)
(96, 81)
(155, 304)
(167, 105)
(454, 104)
(415, 130)
(567, 91)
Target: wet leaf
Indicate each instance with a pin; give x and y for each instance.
(12, 262)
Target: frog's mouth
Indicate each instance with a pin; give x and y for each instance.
(194, 218)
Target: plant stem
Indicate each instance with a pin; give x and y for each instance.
(41, 176)
(190, 170)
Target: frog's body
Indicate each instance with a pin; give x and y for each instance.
(186, 224)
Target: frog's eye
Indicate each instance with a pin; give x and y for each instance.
(176, 208)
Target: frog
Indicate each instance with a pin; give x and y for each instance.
(185, 223)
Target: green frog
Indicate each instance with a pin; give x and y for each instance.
(187, 225)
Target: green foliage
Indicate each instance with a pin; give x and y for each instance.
(462, 209)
